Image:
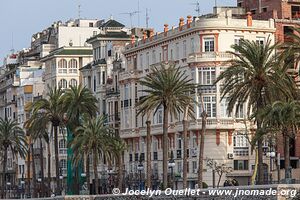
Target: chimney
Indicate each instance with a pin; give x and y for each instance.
(181, 23)
(151, 34)
(189, 21)
(132, 40)
(249, 19)
(144, 36)
(166, 29)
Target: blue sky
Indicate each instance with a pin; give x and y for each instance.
(20, 19)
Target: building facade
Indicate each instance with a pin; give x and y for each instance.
(199, 47)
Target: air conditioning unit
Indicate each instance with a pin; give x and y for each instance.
(230, 155)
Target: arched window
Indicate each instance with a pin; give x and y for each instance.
(62, 65)
(73, 82)
(63, 83)
(73, 66)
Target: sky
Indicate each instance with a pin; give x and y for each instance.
(21, 19)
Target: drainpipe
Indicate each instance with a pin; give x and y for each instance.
(259, 6)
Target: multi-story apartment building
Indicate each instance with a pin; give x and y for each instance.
(286, 15)
(199, 47)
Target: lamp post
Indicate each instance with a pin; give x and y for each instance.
(140, 168)
(84, 186)
(171, 165)
(110, 172)
(22, 186)
(271, 155)
(61, 178)
(8, 188)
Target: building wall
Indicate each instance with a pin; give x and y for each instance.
(187, 47)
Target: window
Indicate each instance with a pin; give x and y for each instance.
(126, 91)
(91, 24)
(171, 56)
(207, 75)
(158, 117)
(260, 40)
(62, 146)
(153, 57)
(209, 44)
(209, 106)
(103, 77)
(253, 11)
(240, 111)
(147, 60)
(62, 66)
(179, 167)
(73, 66)
(241, 165)
(63, 166)
(94, 33)
(176, 51)
(165, 53)
(141, 61)
(63, 84)
(237, 39)
(240, 140)
(73, 82)
(184, 49)
(265, 9)
(126, 118)
(192, 45)
(224, 107)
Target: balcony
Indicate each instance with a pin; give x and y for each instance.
(209, 57)
(112, 91)
(133, 74)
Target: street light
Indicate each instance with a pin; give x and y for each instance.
(140, 168)
(22, 186)
(110, 172)
(271, 155)
(171, 165)
(8, 188)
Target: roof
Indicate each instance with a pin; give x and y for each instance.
(70, 51)
(112, 23)
(121, 34)
(96, 62)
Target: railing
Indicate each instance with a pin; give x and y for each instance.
(209, 56)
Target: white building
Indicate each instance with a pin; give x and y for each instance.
(199, 47)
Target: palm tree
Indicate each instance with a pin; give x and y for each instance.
(37, 126)
(117, 148)
(168, 87)
(12, 138)
(78, 101)
(282, 117)
(52, 109)
(256, 77)
(92, 138)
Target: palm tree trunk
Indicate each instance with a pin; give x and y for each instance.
(255, 168)
(185, 147)
(28, 168)
(201, 149)
(58, 189)
(148, 123)
(49, 169)
(87, 169)
(260, 145)
(120, 171)
(95, 172)
(34, 194)
(165, 146)
(4, 173)
(286, 153)
(42, 168)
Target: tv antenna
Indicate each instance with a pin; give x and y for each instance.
(197, 9)
(147, 17)
(130, 14)
(79, 11)
(138, 12)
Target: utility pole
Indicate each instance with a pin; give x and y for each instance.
(197, 9)
(147, 18)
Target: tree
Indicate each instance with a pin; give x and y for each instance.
(92, 138)
(166, 86)
(221, 169)
(37, 126)
(255, 76)
(78, 102)
(282, 117)
(52, 109)
(12, 138)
